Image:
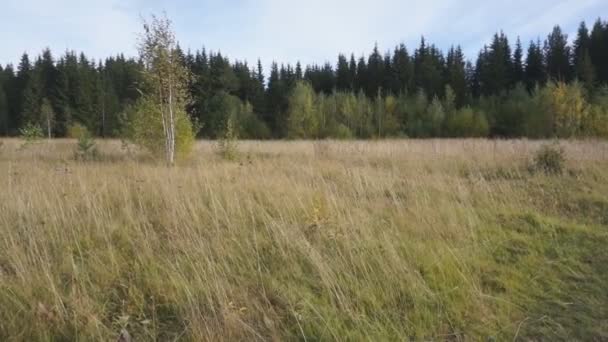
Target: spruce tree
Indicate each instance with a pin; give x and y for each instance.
(598, 50)
(456, 75)
(583, 67)
(518, 66)
(557, 56)
(298, 73)
(389, 80)
(375, 72)
(361, 78)
(31, 101)
(535, 68)
(342, 74)
(582, 42)
(13, 98)
(4, 109)
(495, 67)
(429, 67)
(274, 96)
(403, 69)
(352, 72)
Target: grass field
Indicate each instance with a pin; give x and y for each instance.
(390, 240)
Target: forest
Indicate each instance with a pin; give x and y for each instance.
(556, 87)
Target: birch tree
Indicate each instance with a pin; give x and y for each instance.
(47, 116)
(165, 90)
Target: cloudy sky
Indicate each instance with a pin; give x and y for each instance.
(283, 30)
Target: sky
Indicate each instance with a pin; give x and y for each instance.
(309, 31)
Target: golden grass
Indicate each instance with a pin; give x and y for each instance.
(378, 240)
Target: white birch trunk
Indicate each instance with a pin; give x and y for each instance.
(171, 135)
(48, 125)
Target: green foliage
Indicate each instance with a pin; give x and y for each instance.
(386, 116)
(596, 122)
(223, 106)
(227, 144)
(511, 112)
(550, 159)
(303, 115)
(467, 122)
(166, 83)
(4, 109)
(144, 127)
(86, 149)
(76, 130)
(569, 108)
(31, 133)
(434, 118)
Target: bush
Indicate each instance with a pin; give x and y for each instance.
(76, 131)
(227, 145)
(31, 133)
(85, 148)
(145, 129)
(550, 159)
(467, 122)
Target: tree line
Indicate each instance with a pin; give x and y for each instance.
(550, 88)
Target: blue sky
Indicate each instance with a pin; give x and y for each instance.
(285, 30)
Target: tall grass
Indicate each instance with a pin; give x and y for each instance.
(386, 240)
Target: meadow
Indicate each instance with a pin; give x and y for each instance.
(441, 240)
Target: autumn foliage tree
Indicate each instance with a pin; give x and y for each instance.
(159, 120)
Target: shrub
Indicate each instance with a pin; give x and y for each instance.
(77, 130)
(144, 128)
(550, 159)
(467, 122)
(227, 144)
(342, 132)
(31, 133)
(85, 148)
(596, 123)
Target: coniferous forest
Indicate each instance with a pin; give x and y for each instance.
(554, 87)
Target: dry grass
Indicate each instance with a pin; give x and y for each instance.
(387, 240)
